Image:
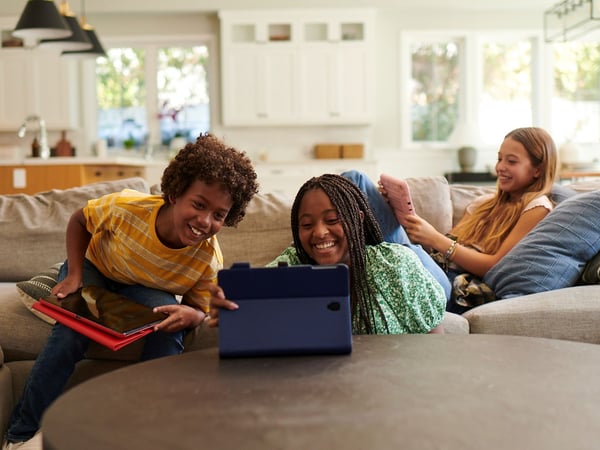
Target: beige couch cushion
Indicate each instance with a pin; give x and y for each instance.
(462, 195)
(33, 227)
(431, 198)
(262, 234)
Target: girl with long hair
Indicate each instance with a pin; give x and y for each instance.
(493, 224)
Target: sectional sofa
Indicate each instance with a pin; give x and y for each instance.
(32, 233)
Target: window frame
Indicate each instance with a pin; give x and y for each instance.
(89, 100)
(470, 44)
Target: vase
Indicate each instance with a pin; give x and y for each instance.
(467, 156)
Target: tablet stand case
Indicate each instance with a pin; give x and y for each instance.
(285, 310)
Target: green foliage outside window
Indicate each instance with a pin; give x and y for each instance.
(577, 71)
(434, 95)
(121, 78)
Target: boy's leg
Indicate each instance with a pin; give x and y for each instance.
(47, 380)
(51, 370)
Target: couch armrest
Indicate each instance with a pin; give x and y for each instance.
(6, 394)
(572, 314)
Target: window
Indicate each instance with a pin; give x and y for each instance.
(505, 97)
(576, 99)
(468, 81)
(497, 82)
(434, 90)
(149, 94)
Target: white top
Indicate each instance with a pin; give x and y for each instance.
(542, 201)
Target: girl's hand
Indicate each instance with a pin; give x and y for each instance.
(420, 231)
(179, 317)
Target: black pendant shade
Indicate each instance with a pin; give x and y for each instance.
(96, 51)
(44, 24)
(78, 40)
(41, 20)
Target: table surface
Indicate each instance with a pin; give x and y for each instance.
(408, 391)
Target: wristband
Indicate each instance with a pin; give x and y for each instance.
(450, 252)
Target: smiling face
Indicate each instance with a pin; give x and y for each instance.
(196, 215)
(320, 229)
(514, 168)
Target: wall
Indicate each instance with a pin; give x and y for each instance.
(382, 139)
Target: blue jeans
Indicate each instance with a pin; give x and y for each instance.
(66, 347)
(391, 228)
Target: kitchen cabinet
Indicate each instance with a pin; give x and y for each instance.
(34, 81)
(297, 67)
(38, 177)
(335, 78)
(260, 86)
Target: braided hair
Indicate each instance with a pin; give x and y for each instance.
(360, 229)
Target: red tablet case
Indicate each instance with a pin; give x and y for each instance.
(73, 314)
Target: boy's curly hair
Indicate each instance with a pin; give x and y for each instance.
(211, 161)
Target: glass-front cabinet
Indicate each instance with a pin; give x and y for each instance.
(300, 67)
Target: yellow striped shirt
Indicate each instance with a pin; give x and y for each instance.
(125, 248)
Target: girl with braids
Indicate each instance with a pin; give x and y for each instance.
(391, 291)
(150, 248)
(494, 223)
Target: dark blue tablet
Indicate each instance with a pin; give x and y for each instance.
(285, 310)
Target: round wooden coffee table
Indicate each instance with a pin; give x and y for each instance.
(409, 392)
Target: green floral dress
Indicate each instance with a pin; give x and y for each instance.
(411, 300)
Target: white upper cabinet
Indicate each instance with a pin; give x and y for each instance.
(37, 82)
(298, 67)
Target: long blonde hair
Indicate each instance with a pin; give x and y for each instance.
(492, 221)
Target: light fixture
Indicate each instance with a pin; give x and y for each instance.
(78, 39)
(41, 20)
(571, 19)
(97, 50)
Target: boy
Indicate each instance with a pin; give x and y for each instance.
(149, 248)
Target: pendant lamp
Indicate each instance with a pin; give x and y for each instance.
(78, 39)
(96, 51)
(41, 20)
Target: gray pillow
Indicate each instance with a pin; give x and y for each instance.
(591, 272)
(554, 254)
(560, 193)
(39, 286)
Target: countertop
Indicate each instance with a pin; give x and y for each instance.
(91, 160)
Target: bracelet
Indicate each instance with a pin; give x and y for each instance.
(450, 252)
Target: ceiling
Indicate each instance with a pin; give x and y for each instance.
(14, 7)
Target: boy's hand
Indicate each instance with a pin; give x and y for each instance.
(66, 287)
(218, 300)
(179, 317)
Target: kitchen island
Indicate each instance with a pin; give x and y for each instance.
(31, 175)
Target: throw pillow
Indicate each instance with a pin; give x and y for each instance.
(554, 254)
(591, 272)
(560, 193)
(40, 285)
